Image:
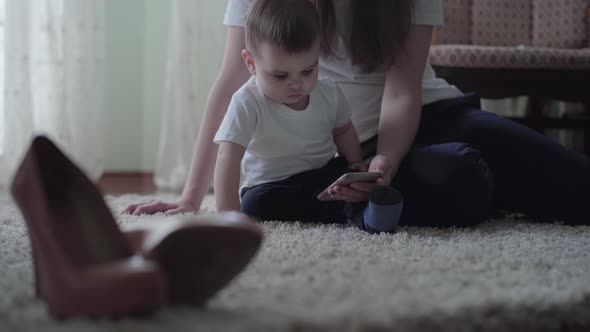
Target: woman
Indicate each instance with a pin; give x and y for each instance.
(453, 162)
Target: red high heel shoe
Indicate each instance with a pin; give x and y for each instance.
(201, 254)
(83, 263)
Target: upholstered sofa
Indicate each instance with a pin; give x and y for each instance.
(508, 48)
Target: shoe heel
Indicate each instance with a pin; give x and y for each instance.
(82, 263)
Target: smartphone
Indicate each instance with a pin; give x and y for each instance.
(349, 178)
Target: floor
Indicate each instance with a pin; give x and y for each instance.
(122, 183)
(117, 184)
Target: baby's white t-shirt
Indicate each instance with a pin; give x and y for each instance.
(364, 91)
(279, 141)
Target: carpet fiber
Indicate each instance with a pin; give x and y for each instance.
(505, 275)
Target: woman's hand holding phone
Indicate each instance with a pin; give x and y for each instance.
(356, 181)
(359, 191)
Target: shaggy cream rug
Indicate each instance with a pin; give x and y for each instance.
(504, 275)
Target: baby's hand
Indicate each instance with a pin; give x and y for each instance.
(355, 192)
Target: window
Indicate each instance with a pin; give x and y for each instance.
(2, 80)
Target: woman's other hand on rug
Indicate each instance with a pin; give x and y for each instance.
(169, 208)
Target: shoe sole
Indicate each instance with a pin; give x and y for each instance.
(200, 259)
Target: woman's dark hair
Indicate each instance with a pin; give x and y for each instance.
(325, 9)
(377, 32)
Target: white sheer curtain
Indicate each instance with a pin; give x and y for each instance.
(194, 56)
(52, 80)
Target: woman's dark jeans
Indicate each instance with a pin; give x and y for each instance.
(464, 163)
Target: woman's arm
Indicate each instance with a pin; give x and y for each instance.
(232, 75)
(227, 176)
(400, 112)
(402, 103)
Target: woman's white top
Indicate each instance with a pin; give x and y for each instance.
(364, 91)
